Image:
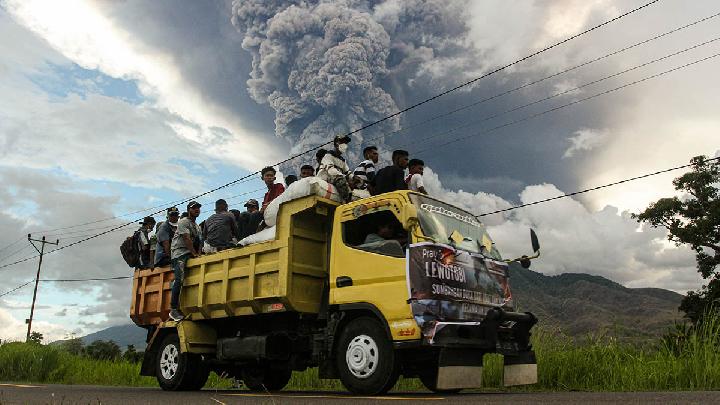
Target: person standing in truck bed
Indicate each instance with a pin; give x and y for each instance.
(220, 227)
(143, 241)
(274, 189)
(185, 244)
(164, 237)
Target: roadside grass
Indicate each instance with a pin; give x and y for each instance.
(595, 364)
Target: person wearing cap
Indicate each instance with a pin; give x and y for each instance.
(164, 235)
(143, 241)
(365, 171)
(307, 171)
(274, 189)
(249, 220)
(220, 228)
(335, 170)
(185, 244)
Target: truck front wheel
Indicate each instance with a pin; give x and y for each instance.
(176, 371)
(365, 358)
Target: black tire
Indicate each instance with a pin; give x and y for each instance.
(366, 360)
(176, 371)
(261, 379)
(429, 380)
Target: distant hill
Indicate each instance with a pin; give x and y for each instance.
(579, 304)
(576, 303)
(123, 335)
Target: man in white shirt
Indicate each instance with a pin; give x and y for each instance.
(335, 170)
(414, 180)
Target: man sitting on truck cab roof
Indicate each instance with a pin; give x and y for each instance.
(414, 180)
(335, 170)
(391, 178)
(185, 244)
(306, 171)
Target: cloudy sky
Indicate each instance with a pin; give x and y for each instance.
(111, 107)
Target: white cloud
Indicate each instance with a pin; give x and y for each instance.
(15, 330)
(576, 239)
(81, 33)
(584, 140)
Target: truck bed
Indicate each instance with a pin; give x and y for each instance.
(284, 274)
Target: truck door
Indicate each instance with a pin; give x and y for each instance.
(368, 264)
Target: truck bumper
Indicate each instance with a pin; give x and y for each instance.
(462, 346)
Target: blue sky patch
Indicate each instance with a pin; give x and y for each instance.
(60, 81)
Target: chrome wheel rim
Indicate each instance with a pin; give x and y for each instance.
(169, 362)
(362, 356)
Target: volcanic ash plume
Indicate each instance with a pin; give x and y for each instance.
(322, 65)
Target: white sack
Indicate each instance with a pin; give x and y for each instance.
(262, 236)
(301, 188)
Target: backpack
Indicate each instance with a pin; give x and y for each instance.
(129, 250)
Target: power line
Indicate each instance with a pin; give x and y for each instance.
(11, 244)
(16, 288)
(413, 106)
(114, 229)
(504, 93)
(552, 96)
(15, 252)
(73, 280)
(615, 183)
(533, 116)
(165, 204)
(547, 48)
(480, 215)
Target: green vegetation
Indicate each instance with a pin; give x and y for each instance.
(694, 220)
(686, 359)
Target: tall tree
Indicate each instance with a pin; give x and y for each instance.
(694, 219)
(36, 337)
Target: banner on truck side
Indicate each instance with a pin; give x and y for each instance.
(450, 285)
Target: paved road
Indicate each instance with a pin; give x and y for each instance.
(11, 393)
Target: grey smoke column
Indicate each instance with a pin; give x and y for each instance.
(323, 66)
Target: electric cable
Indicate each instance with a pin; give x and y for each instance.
(413, 106)
(552, 96)
(504, 93)
(16, 288)
(536, 115)
(615, 183)
(73, 280)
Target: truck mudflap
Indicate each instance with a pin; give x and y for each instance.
(463, 344)
(459, 368)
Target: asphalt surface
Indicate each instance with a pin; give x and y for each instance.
(12, 393)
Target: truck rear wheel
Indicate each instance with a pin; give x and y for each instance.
(176, 371)
(365, 358)
(261, 379)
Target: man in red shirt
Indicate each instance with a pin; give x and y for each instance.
(274, 189)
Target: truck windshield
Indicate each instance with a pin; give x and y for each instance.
(439, 220)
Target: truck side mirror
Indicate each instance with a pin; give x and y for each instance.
(534, 241)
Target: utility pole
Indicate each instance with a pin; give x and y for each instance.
(42, 242)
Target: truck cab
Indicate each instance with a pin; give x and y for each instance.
(395, 284)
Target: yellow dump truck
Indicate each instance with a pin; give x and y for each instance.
(396, 284)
